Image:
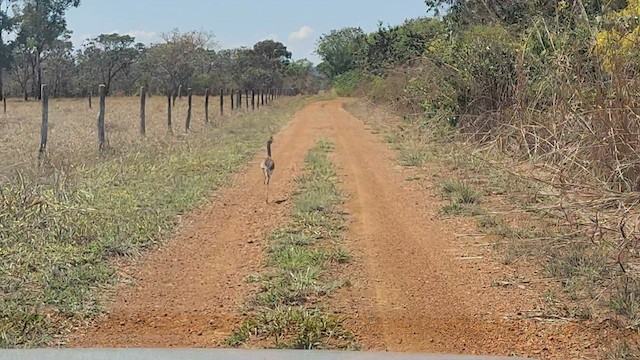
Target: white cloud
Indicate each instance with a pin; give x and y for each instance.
(301, 34)
(78, 40)
(145, 37)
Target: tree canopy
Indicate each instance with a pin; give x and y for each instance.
(338, 50)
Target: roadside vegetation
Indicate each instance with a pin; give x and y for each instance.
(532, 108)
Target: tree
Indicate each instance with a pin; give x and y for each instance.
(108, 55)
(59, 67)
(42, 22)
(6, 49)
(178, 60)
(274, 52)
(221, 69)
(338, 50)
(517, 12)
(263, 66)
(21, 69)
(400, 45)
(299, 76)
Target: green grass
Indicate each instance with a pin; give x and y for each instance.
(625, 300)
(59, 234)
(287, 311)
(412, 155)
(463, 199)
(460, 192)
(622, 350)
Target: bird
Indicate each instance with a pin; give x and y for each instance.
(267, 166)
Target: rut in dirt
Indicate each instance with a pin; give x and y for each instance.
(410, 293)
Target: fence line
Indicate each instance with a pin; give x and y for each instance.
(187, 125)
(44, 128)
(143, 98)
(206, 105)
(259, 97)
(102, 138)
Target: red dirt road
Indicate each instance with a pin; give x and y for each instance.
(187, 293)
(414, 290)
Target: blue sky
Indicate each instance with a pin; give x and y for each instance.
(235, 23)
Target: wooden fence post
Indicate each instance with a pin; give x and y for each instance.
(253, 99)
(143, 99)
(187, 125)
(169, 102)
(44, 129)
(206, 105)
(102, 139)
(221, 102)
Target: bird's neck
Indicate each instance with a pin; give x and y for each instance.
(268, 150)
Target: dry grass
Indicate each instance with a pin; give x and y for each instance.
(581, 232)
(73, 139)
(63, 225)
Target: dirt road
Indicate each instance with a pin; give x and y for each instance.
(417, 287)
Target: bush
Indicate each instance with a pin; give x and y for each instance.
(347, 84)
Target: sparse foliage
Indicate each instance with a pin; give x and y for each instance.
(41, 23)
(178, 60)
(106, 56)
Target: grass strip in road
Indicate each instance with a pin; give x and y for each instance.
(303, 262)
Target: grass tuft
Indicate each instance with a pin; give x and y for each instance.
(287, 311)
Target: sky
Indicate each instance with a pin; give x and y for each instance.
(295, 23)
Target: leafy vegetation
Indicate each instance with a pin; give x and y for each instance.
(287, 312)
(346, 84)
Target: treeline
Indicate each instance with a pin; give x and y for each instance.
(555, 81)
(42, 52)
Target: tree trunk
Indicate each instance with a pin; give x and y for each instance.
(39, 70)
(33, 81)
(107, 89)
(1, 84)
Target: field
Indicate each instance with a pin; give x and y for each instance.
(73, 139)
(370, 239)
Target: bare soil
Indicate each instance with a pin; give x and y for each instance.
(419, 284)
